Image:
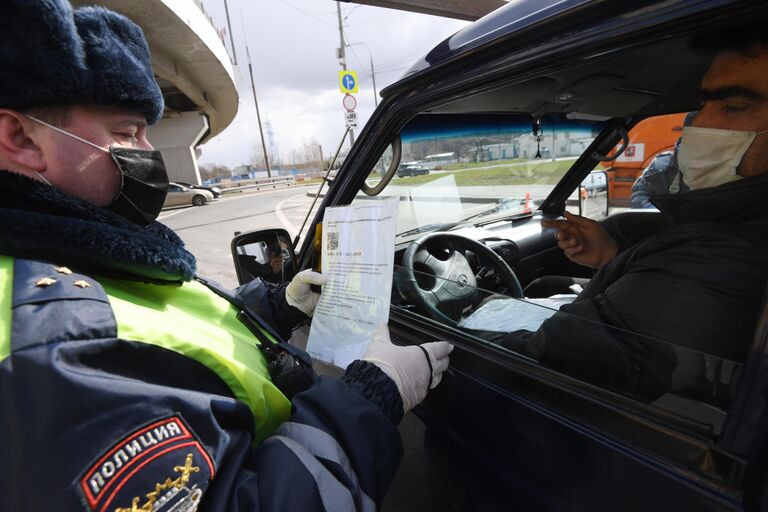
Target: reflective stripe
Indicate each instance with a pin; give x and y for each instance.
(334, 495)
(320, 444)
(6, 296)
(193, 321)
(189, 320)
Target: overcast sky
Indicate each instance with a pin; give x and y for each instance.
(293, 51)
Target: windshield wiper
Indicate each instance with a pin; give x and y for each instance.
(428, 227)
(499, 207)
(442, 227)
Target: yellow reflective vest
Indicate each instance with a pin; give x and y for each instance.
(189, 320)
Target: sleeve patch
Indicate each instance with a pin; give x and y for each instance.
(160, 466)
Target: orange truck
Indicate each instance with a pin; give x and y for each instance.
(647, 139)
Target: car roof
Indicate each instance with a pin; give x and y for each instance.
(595, 58)
(503, 21)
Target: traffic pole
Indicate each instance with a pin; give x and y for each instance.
(258, 115)
(343, 57)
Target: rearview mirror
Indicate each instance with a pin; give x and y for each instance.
(267, 254)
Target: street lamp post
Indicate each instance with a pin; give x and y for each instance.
(373, 71)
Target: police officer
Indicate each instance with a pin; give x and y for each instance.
(662, 176)
(125, 384)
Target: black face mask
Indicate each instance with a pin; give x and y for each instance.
(144, 184)
(143, 179)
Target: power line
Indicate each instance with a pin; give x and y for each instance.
(386, 63)
(359, 63)
(378, 20)
(308, 14)
(390, 70)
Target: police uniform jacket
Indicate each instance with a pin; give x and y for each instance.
(126, 386)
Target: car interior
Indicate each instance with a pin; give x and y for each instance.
(455, 273)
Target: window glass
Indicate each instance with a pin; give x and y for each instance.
(562, 334)
(482, 177)
(455, 168)
(647, 167)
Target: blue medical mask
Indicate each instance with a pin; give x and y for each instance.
(143, 179)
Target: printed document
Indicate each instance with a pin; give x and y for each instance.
(357, 256)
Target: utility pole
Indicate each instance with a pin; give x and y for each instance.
(373, 77)
(258, 115)
(343, 57)
(373, 72)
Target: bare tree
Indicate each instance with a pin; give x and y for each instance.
(209, 171)
(310, 152)
(257, 156)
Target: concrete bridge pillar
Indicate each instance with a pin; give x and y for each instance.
(176, 137)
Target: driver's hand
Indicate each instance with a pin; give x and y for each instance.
(299, 294)
(492, 297)
(583, 240)
(415, 369)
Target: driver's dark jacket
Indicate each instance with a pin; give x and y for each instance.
(93, 401)
(698, 283)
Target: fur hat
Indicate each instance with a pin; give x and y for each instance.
(51, 55)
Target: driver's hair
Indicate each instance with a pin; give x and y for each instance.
(742, 39)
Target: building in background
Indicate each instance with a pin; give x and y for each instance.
(195, 74)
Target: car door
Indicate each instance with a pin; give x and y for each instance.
(179, 195)
(503, 431)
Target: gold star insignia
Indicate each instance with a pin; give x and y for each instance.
(82, 284)
(45, 282)
(63, 270)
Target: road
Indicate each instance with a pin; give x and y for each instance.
(207, 230)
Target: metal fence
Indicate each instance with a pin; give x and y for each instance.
(259, 184)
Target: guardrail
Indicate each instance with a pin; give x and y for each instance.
(259, 184)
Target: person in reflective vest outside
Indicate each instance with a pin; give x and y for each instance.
(126, 383)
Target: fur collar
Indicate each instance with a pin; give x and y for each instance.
(38, 221)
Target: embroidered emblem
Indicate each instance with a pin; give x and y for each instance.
(63, 270)
(157, 466)
(45, 282)
(157, 499)
(82, 284)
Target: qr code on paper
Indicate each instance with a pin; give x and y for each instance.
(333, 241)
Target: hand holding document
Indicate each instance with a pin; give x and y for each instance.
(358, 248)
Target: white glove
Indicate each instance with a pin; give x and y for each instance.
(299, 295)
(409, 367)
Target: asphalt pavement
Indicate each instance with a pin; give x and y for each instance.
(208, 230)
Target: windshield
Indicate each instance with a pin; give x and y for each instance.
(459, 167)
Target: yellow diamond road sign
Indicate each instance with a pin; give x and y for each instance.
(348, 81)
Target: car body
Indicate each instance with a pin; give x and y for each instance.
(502, 432)
(411, 169)
(215, 191)
(179, 195)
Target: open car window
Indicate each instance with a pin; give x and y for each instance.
(690, 384)
(467, 174)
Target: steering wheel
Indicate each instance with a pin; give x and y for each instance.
(454, 279)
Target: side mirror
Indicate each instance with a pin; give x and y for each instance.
(267, 254)
(593, 196)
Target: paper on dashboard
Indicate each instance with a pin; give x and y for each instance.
(357, 257)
